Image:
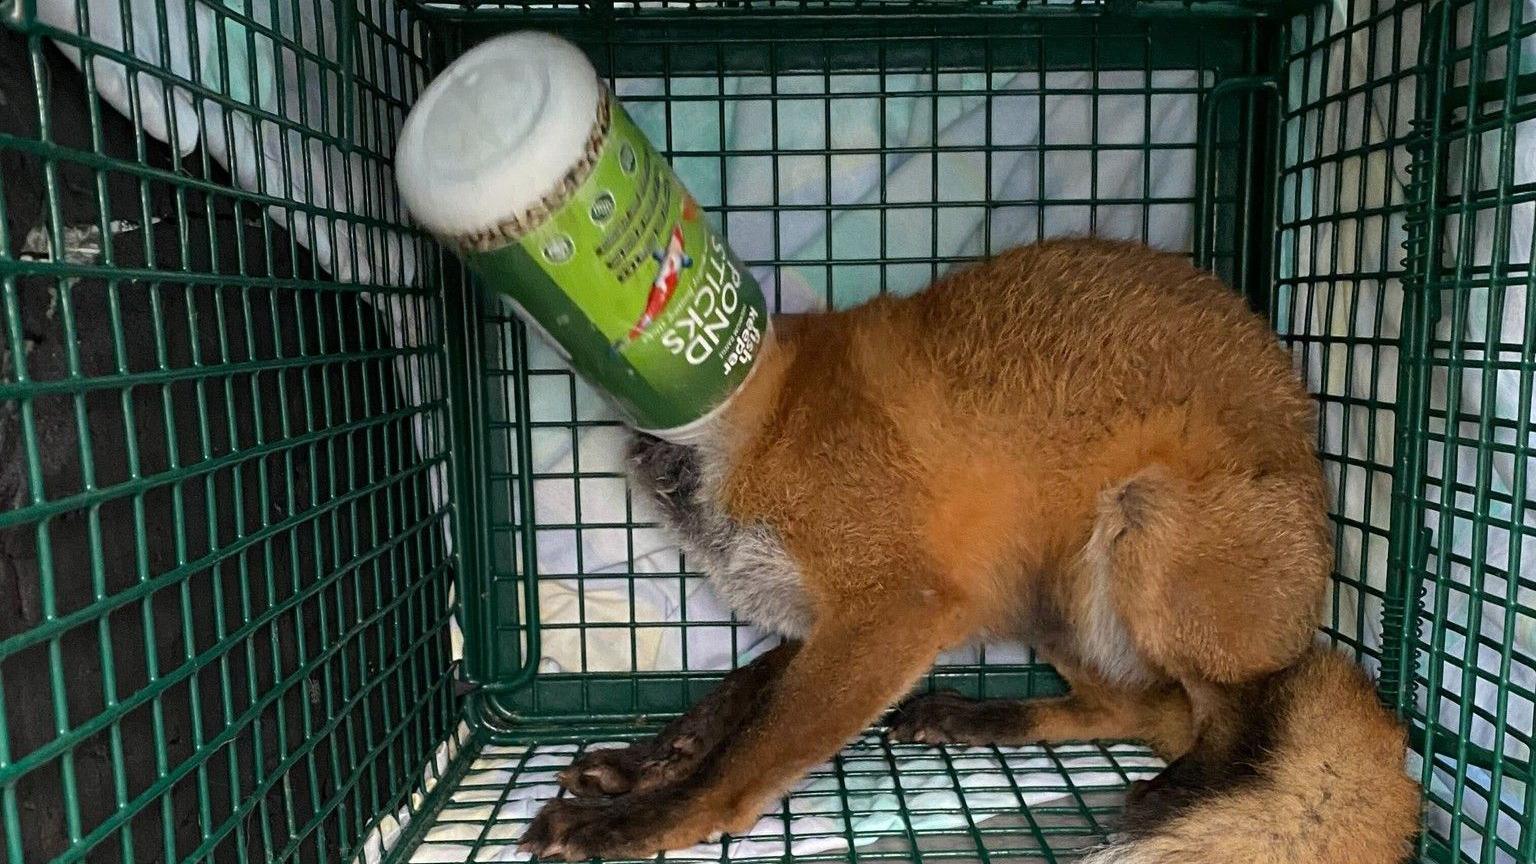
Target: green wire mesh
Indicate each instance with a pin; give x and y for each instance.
(260, 666)
(875, 802)
(1405, 275)
(1341, 215)
(224, 552)
(1470, 255)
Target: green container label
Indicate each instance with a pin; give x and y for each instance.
(625, 276)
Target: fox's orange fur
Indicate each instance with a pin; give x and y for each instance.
(1089, 445)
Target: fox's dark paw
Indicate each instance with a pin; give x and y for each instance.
(1151, 803)
(596, 773)
(947, 717)
(575, 829)
(641, 767)
(933, 718)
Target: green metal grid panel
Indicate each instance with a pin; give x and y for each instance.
(805, 76)
(480, 11)
(1472, 287)
(221, 541)
(1421, 362)
(913, 804)
(1347, 72)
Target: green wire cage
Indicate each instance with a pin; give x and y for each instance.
(309, 553)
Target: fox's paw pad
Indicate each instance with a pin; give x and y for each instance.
(641, 767)
(671, 763)
(596, 773)
(947, 717)
(576, 829)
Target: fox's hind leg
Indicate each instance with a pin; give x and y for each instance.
(1237, 730)
(1158, 715)
(1218, 584)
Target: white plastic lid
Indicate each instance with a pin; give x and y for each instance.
(495, 132)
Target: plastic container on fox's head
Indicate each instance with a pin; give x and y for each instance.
(520, 158)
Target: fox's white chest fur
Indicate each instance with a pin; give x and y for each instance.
(747, 565)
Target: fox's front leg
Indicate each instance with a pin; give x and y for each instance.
(683, 744)
(851, 668)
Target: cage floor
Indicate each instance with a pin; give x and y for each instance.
(874, 802)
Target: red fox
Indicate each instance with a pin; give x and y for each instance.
(1088, 445)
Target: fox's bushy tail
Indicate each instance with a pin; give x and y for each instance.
(1329, 787)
